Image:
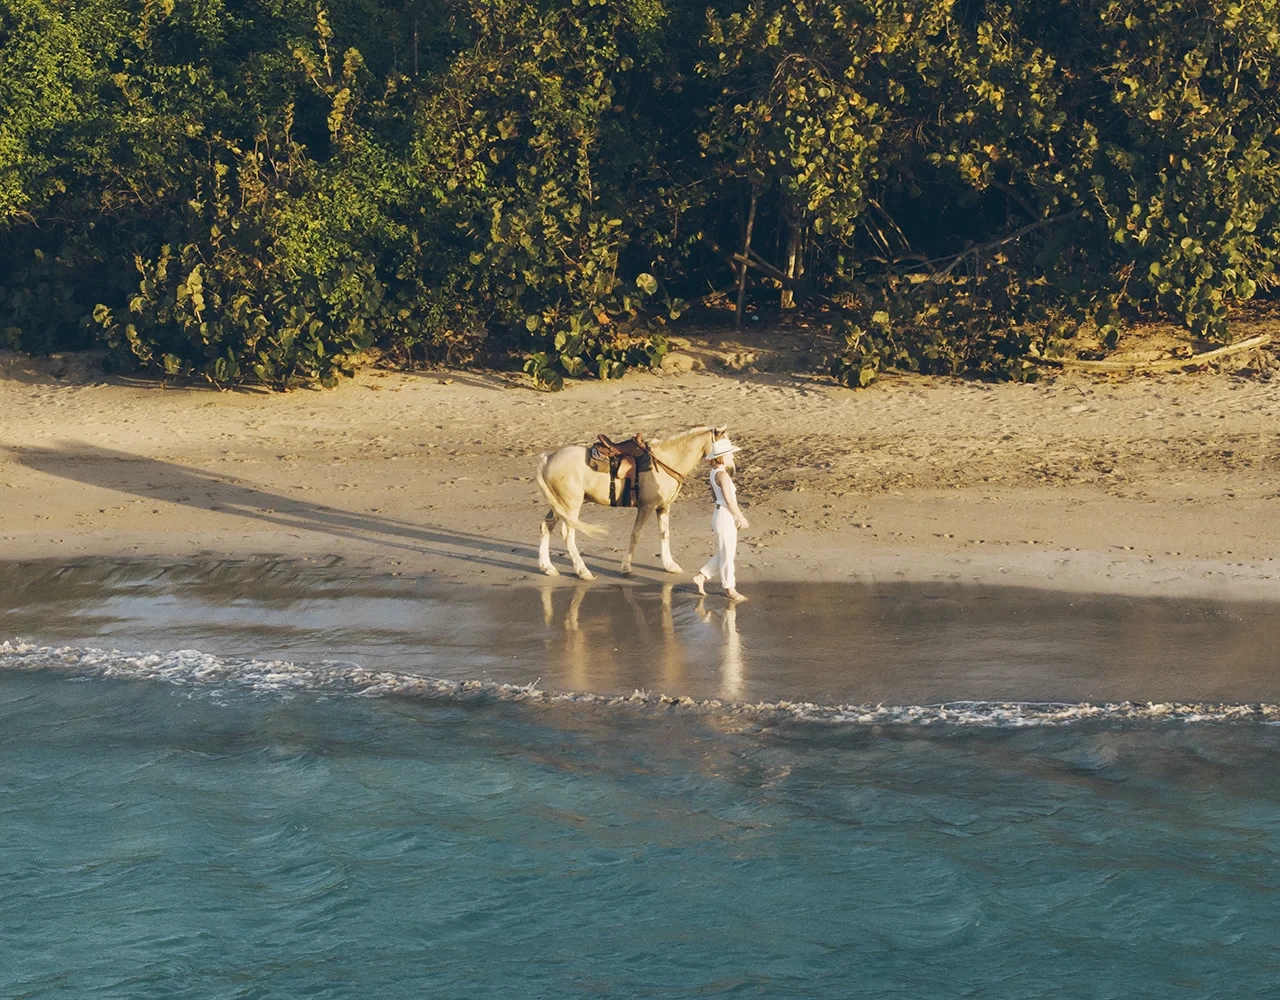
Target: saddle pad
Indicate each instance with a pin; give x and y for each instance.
(598, 462)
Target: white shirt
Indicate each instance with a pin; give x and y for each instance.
(715, 488)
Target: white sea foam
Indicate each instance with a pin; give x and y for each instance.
(195, 668)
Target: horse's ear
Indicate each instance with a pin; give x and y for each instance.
(720, 431)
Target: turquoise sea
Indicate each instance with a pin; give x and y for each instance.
(275, 781)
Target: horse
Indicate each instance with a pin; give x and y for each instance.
(568, 481)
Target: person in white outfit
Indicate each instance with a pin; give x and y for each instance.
(725, 522)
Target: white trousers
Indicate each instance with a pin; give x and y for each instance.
(721, 564)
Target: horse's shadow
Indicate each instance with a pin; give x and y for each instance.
(205, 491)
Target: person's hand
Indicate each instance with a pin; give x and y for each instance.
(742, 523)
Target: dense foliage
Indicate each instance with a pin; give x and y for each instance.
(265, 189)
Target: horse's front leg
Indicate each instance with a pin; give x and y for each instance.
(642, 515)
(544, 545)
(664, 532)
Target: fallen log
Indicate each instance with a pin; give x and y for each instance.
(1161, 364)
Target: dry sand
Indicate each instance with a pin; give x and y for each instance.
(1161, 484)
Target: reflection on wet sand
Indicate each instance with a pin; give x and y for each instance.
(896, 644)
(573, 652)
(671, 648)
(731, 649)
(585, 662)
(653, 637)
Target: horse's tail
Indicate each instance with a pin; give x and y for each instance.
(559, 506)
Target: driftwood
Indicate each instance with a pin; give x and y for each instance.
(1163, 364)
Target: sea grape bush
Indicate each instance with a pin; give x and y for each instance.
(243, 190)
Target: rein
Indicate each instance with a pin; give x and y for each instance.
(667, 469)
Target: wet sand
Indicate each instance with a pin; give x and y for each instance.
(903, 644)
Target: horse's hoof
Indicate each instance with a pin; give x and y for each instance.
(586, 574)
(674, 568)
(626, 570)
(549, 570)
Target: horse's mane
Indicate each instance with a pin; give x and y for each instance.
(682, 435)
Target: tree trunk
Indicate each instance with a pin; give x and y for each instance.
(795, 261)
(746, 253)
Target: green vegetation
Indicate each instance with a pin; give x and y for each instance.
(265, 189)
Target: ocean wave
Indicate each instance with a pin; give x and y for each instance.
(189, 667)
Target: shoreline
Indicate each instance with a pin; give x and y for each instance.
(1148, 486)
(813, 644)
(1065, 572)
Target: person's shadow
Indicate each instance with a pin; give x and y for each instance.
(204, 491)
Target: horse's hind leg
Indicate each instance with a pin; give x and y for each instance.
(544, 544)
(664, 531)
(642, 515)
(571, 543)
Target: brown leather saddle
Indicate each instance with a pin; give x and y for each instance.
(624, 461)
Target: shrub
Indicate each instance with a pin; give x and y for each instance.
(244, 191)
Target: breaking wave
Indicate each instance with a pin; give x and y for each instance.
(192, 668)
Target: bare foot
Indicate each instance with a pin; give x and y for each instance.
(733, 595)
(700, 582)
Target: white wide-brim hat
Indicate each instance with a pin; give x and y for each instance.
(721, 448)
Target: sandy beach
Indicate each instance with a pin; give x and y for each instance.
(1142, 484)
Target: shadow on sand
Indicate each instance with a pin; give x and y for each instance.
(152, 479)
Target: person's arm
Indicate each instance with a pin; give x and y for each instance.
(731, 498)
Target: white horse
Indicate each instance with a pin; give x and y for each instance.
(567, 481)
